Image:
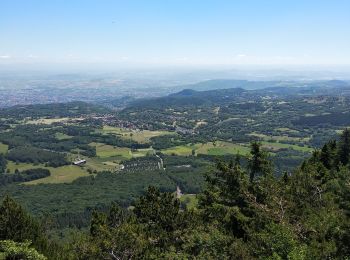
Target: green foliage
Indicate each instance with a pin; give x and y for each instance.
(278, 241)
(244, 212)
(36, 155)
(3, 163)
(258, 162)
(16, 225)
(344, 147)
(160, 216)
(12, 250)
(24, 176)
(73, 109)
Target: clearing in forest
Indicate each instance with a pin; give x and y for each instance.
(140, 136)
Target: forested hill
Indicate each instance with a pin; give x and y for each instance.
(220, 92)
(243, 213)
(189, 97)
(255, 85)
(288, 87)
(70, 109)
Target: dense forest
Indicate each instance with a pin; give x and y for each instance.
(226, 173)
(24, 176)
(244, 212)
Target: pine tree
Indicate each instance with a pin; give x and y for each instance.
(326, 156)
(224, 198)
(3, 163)
(344, 147)
(17, 225)
(116, 216)
(258, 162)
(98, 222)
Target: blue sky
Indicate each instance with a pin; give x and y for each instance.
(175, 32)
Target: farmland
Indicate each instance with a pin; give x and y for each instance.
(125, 151)
(275, 146)
(63, 174)
(104, 151)
(279, 138)
(210, 148)
(140, 136)
(3, 148)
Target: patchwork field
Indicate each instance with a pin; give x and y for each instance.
(216, 148)
(12, 166)
(102, 164)
(105, 150)
(63, 174)
(222, 148)
(109, 157)
(182, 150)
(138, 136)
(279, 138)
(62, 136)
(3, 148)
(142, 152)
(275, 146)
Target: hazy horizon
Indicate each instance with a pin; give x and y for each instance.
(107, 35)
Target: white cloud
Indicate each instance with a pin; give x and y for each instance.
(5, 57)
(31, 56)
(182, 59)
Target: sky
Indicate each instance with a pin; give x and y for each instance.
(175, 32)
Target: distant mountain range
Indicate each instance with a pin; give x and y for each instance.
(220, 91)
(253, 85)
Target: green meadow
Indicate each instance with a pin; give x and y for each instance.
(142, 136)
(3, 148)
(275, 146)
(210, 148)
(63, 174)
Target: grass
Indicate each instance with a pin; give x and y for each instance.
(109, 163)
(3, 148)
(102, 164)
(105, 151)
(62, 136)
(63, 174)
(143, 136)
(222, 148)
(108, 157)
(142, 152)
(182, 150)
(277, 146)
(273, 142)
(279, 138)
(217, 148)
(22, 166)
